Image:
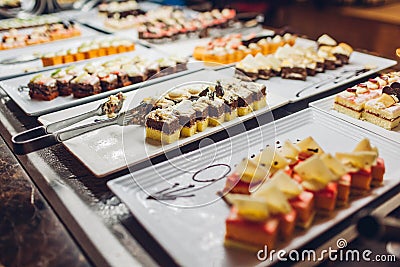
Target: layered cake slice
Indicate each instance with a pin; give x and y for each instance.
(248, 67)
(351, 101)
(162, 125)
(342, 52)
(216, 110)
(249, 225)
(85, 85)
(43, 88)
(245, 100)
(201, 109)
(63, 82)
(295, 70)
(108, 81)
(187, 117)
(383, 111)
(259, 100)
(230, 105)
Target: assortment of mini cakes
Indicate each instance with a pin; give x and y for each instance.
(94, 78)
(87, 50)
(43, 34)
(293, 62)
(376, 101)
(119, 10)
(168, 24)
(19, 23)
(235, 47)
(282, 188)
(183, 112)
(164, 23)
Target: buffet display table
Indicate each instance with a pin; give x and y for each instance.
(54, 200)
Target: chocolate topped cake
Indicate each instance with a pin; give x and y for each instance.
(216, 109)
(42, 87)
(163, 125)
(85, 85)
(230, 105)
(108, 81)
(187, 117)
(201, 109)
(245, 100)
(63, 82)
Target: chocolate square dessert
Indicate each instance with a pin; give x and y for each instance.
(85, 85)
(162, 125)
(108, 81)
(201, 109)
(63, 82)
(43, 88)
(187, 117)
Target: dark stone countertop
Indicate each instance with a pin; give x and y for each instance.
(30, 232)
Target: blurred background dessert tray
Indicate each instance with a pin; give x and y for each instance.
(35, 107)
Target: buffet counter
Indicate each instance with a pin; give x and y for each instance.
(62, 208)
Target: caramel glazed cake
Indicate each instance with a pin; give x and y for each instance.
(183, 112)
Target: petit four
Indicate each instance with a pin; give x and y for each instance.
(285, 187)
(43, 88)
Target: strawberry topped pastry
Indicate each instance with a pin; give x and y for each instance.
(282, 188)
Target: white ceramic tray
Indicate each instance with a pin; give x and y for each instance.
(33, 107)
(191, 229)
(294, 90)
(326, 105)
(18, 69)
(110, 149)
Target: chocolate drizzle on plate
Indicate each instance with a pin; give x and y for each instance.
(177, 191)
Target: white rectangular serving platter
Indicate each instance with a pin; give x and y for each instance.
(33, 107)
(326, 105)
(191, 229)
(17, 69)
(111, 149)
(295, 91)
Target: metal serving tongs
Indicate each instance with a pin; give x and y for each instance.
(46, 136)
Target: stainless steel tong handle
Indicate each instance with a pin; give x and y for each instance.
(38, 138)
